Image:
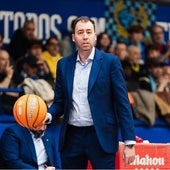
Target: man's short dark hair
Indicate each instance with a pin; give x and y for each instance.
(83, 19)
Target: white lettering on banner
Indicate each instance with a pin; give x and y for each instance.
(100, 24)
(166, 26)
(147, 160)
(45, 24)
(6, 16)
(54, 19)
(69, 22)
(19, 19)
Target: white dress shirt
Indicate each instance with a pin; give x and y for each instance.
(40, 152)
(80, 114)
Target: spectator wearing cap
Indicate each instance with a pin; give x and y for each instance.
(28, 67)
(32, 83)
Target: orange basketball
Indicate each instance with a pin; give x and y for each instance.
(30, 110)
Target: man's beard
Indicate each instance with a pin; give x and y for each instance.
(37, 134)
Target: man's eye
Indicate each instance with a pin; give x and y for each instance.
(80, 32)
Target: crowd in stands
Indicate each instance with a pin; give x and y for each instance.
(146, 65)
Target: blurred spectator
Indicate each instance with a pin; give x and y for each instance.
(121, 50)
(157, 36)
(151, 81)
(52, 54)
(32, 83)
(35, 48)
(158, 82)
(136, 37)
(20, 40)
(28, 67)
(152, 53)
(8, 79)
(133, 67)
(6, 69)
(158, 39)
(1, 41)
(104, 42)
(164, 81)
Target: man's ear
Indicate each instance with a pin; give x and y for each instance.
(73, 38)
(95, 37)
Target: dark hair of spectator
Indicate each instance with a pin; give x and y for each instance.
(50, 38)
(30, 60)
(136, 29)
(151, 29)
(99, 37)
(120, 42)
(150, 47)
(35, 43)
(155, 62)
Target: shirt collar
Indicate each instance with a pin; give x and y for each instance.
(91, 56)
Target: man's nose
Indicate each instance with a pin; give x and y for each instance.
(85, 35)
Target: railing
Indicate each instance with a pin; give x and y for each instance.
(15, 90)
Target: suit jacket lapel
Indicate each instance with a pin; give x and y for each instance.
(97, 62)
(29, 140)
(47, 146)
(70, 74)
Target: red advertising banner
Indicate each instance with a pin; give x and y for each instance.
(149, 156)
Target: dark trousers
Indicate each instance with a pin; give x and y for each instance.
(81, 145)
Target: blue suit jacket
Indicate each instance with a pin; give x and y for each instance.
(107, 97)
(18, 152)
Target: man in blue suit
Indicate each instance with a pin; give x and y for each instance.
(91, 93)
(22, 148)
